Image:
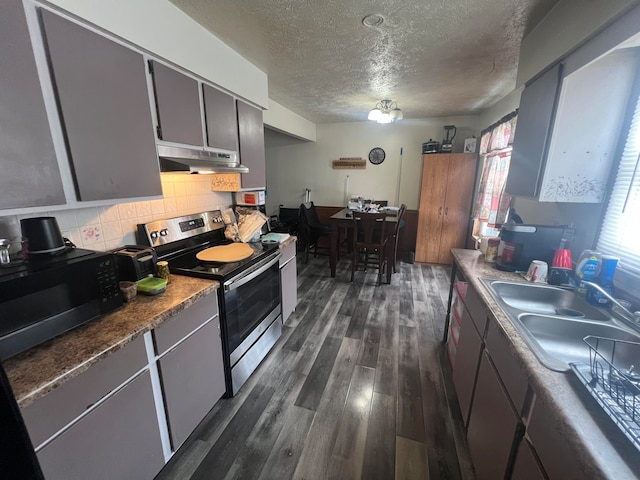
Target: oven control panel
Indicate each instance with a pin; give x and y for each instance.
(161, 232)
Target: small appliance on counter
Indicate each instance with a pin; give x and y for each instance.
(430, 147)
(255, 200)
(521, 244)
(449, 135)
(250, 199)
(135, 262)
(50, 294)
(43, 235)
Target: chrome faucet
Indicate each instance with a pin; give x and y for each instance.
(632, 316)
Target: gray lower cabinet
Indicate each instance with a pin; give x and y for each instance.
(535, 115)
(30, 175)
(220, 119)
(192, 380)
(288, 280)
(251, 140)
(526, 466)
(550, 444)
(493, 425)
(119, 439)
(101, 89)
(466, 366)
(191, 366)
(177, 105)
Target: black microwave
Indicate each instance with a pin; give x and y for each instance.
(51, 294)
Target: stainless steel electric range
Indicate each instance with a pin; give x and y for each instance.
(249, 295)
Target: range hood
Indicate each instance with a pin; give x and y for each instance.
(194, 160)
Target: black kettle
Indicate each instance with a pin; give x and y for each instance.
(43, 235)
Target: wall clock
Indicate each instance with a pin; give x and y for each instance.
(376, 156)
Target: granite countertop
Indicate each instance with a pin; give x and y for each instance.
(601, 448)
(288, 241)
(39, 370)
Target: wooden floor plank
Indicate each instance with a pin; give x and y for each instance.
(315, 461)
(380, 448)
(233, 438)
(411, 460)
(352, 433)
(316, 381)
(386, 372)
(286, 451)
(358, 320)
(253, 456)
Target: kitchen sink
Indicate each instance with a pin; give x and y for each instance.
(546, 299)
(553, 321)
(560, 339)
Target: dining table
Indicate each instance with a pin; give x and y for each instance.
(344, 220)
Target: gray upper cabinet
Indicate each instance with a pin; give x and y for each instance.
(535, 115)
(220, 118)
(30, 175)
(251, 136)
(102, 95)
(177, 105)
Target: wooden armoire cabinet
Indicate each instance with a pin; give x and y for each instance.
(445, 204)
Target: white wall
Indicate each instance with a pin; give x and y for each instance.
(161, 28)
(284, 120)
(298, 165)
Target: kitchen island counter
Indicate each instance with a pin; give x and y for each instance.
(595, 443)
(37, 371)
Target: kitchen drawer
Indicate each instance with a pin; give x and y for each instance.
(514, 381)
(47, 415)
(182, 324)
(475, 306)
(119, 440)
(288, 252)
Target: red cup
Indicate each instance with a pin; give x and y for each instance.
(562, 258)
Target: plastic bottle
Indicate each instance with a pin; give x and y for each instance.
(588, 268)
(605, 280)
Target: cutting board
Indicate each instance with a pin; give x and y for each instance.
(225, 253)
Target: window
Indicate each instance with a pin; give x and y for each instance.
(620, 234)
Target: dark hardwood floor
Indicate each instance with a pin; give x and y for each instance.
(357, 387)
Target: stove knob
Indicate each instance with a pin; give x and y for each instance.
(153, 234)
(164, 232)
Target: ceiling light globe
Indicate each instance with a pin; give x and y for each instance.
(375, 114)
(384, 118)
(396, 114)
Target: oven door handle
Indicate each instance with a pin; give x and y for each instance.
(259, 270)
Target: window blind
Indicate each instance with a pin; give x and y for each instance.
(620, 233)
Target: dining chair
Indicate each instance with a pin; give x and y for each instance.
(396, 235)
(311, 230)
(369, 242)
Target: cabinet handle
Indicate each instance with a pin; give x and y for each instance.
(440, 211)
(446, 210)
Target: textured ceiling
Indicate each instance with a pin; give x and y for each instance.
(433, 57)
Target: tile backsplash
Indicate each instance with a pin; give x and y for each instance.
(104, 228)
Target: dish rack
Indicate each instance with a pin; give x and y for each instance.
(610, 379)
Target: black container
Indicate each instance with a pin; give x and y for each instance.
(43, 235)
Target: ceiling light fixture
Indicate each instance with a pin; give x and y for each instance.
(386, 111)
